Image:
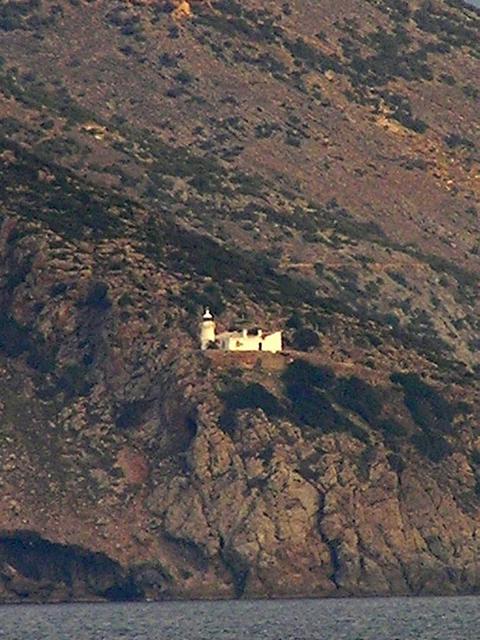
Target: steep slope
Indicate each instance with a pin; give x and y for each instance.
(310, 166)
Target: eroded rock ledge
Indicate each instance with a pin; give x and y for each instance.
(33, 569)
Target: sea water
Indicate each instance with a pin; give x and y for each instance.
(348, 619)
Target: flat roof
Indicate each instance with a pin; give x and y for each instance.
(239, 334)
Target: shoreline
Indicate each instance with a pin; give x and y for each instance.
(252, 599)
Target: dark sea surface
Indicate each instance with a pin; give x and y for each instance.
(352, 619)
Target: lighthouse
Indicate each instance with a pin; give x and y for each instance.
(207, 329)
(241, 340)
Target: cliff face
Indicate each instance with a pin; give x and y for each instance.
(307, 166)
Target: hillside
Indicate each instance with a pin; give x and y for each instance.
(310, 166)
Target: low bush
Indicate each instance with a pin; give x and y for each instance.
(309, 391)
(454, 140)
(396, 462)
(251, 396)
(22, 15)
(72, 381)
(311, 406)
(312, 57)
(392, 429)
(305, 339)
(431, 412)
(477, 487)
(130, 414)
(239, 396)
(301, 372)
(14, 337)
(427, 406)
(357, 395)
(67, 205)
(42, 356)
(432, 446)
(450, 27)
(97, 296)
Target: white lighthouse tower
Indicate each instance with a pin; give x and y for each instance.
(207, 329)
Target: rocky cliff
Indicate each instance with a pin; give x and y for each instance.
(306, 166)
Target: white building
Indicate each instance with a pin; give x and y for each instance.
(245, 340)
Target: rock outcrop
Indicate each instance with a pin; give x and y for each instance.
(141, 178)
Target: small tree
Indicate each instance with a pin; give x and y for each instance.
(305, 339)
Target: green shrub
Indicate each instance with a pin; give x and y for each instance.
(253, 273)
(312, 406)
(429, 409)
(210, 295)
(432, 446)
(14, 337)
(130, 414)
(392, 429)
(454, 140)
(18, 274)
(251, 396)
(67, 205)
(357, 395)
(310, 56)
(19, 15)
(471, 91)
(125, 300)
(451, 28)
(305, 339)
(309, 391)
(42, 356)
(431, 412)
(247, 396)
(97, 296)
(295, 321)
(58, 289)
(72, 381)
(266, 129)
(301, 372)
(396, 462)
(184, 77)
